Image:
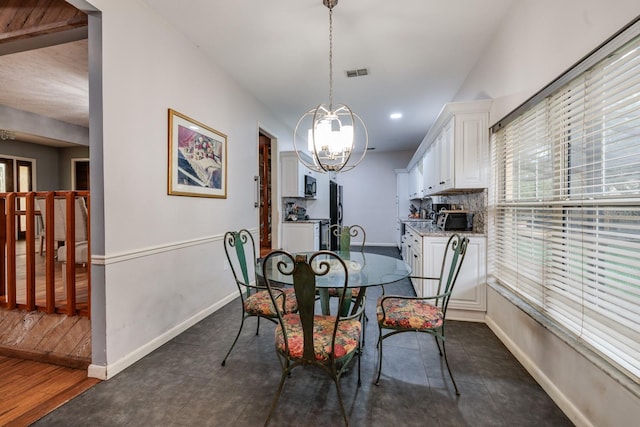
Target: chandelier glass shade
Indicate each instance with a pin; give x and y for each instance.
(332, 131)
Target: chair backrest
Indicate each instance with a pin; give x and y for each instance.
(240, 249)
(345, 233)
(304, 272)
(454, 254)
(60, 218)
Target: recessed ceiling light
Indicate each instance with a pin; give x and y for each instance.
(396, 116)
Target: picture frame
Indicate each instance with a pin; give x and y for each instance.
(197, 158)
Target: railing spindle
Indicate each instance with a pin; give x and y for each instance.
(70, 240)
(11, 250)
(3, 249)
(50, 254)
(30, 262)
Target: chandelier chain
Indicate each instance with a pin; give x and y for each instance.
(331, 58)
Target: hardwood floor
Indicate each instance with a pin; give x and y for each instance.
(31, 389)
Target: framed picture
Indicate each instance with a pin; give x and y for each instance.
(197, 158)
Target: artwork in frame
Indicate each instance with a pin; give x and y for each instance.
(197, 158)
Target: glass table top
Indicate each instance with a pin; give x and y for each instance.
(364, 269)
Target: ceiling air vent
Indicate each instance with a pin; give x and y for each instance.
(358, 73)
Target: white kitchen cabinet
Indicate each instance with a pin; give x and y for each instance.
(301, 236)
(414, 181)
(429, 169)
(445, 162)
(457, 149)
(469, 293)
(412, 255)
(402, 193)
(292, 174)
(471, 150)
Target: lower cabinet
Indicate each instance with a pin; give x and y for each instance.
(301, 236)
(469, 292)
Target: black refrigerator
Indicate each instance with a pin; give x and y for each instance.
(335, 209)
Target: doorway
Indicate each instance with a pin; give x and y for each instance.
(16, 175)
(80, 174)
(264, 166)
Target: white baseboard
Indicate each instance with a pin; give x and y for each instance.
(110, 370)
(574, 414)
(465, 315)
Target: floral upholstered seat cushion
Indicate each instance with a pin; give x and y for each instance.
(400, 313)
(347, 337)
(259, 304)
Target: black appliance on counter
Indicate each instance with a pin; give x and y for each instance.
(335, 210)
(455, 220)
(309, 186)
(324, 234)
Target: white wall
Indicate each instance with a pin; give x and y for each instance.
(370, 195)
(162, 268)
(540, 39)
(537, 41)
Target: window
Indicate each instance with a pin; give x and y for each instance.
(566, 200)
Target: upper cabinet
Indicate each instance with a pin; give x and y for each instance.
(454, 154)
(415, 182)
(292, 174)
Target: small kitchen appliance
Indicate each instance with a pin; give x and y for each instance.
(455, 220)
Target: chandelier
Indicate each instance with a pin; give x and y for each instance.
(331, 135)
(7, 134)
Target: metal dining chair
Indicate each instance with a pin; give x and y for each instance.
(240, 249)
(423, 314)
(344, 234)
(305, 338)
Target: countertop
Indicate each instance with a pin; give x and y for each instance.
(426, 228)
(310, 220)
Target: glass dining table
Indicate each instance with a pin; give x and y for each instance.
(364, 270)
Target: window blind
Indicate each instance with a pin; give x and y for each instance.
(566, 205)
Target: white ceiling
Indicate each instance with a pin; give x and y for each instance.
(418, 53)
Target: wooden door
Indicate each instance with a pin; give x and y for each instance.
(264, 156)
(24, 184)
(81, 175)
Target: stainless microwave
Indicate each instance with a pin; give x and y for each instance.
(309, 186)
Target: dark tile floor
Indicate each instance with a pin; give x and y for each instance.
(183, 384)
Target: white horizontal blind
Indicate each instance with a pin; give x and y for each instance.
(566, 203)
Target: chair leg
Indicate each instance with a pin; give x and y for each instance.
(285, 372)
(258, 326)
(438, 344)
(446, 361)
(364, 328)
(379, 356)
(235, 340)
(336, 380)
(359, 360)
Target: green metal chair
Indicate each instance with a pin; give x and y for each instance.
(344, 234)
(240, 249)
(330, 341)
(423, 314)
